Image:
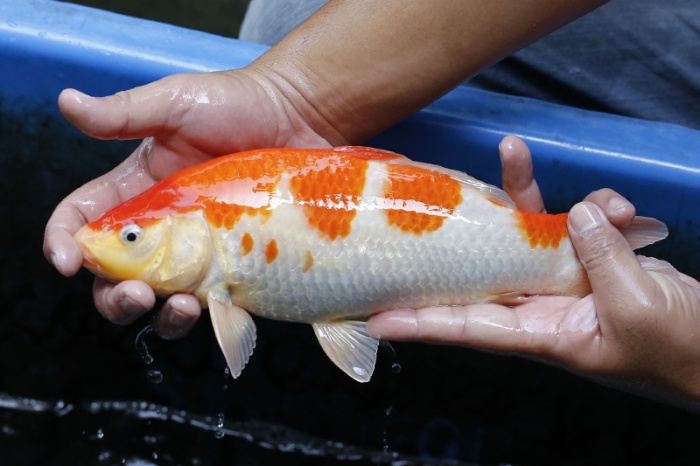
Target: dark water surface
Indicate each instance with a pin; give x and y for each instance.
(75, 389)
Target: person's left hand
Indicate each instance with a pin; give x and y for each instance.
(639, 330)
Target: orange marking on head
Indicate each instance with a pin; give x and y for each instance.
(308, 262)
(271, 251)
(327, 182)
(329, 188)
(422, 198)
(225, 188)
(543, 230)
(246, 244)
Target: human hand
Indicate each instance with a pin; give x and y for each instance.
(185, 119)
(639, 330)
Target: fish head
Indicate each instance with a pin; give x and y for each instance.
(171, 254)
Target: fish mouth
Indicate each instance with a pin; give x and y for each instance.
(88, 263)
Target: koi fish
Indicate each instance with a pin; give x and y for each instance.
(331, 237)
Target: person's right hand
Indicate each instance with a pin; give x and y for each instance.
(185, 119)
(636, 331)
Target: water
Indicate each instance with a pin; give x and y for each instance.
(140, 344)
(155, 376)
(282, 443)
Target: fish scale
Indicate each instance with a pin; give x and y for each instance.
(331, 237)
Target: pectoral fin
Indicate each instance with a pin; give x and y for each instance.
(349, 346)
(234, 330)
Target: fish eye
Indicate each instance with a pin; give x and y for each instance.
(130, 234)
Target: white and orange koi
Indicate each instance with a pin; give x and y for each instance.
(331, 237)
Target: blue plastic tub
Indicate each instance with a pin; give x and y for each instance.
(73, 390)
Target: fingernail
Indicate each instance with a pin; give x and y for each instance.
(130, 305)
(177, 318)
(505, 144)
(585, 217)
(79, 96)
(618, 204)
(57, 261)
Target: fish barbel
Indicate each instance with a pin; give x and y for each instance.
(331, 237)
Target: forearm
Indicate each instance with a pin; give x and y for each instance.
(358, 66)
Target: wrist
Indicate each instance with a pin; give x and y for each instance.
(293, 96)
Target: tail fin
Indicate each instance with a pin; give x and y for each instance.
(644, 231)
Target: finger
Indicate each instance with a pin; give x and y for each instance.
(529, 329)
(620, 284)
(124, 302)
(87, 203)
(60, 249)
(518, 180)
(617, 209)
(136, 113)
(177, 317)
(451, 325)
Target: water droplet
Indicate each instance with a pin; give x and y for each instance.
(155, 376)
(100, 434)
(140, 344)
(61, 408)
(219, 433)
(154, 455)
(227, 373)
(396, 368)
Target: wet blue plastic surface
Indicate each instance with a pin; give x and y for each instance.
(657, 165)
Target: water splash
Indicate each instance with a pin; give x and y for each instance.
(264, 435)
(155, 376)
(140, 344)
(59, 408)
(227, 377)
(219, 433)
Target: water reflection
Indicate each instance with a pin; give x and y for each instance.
(283, 441)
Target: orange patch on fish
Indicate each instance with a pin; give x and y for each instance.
(422, 198)
(329, 191)
(543, 230)
(271, 251)
(247, 244)
(207, 187)
(308, 262)
(225, 203)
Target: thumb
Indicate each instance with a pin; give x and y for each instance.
(620, 285)
(134, 114)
